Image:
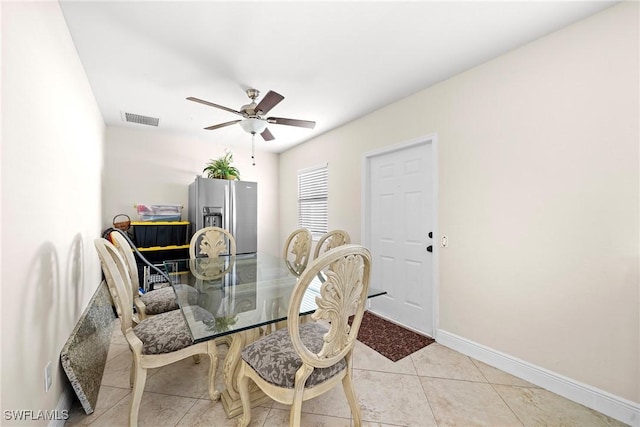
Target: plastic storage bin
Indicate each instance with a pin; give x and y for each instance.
(159, 212)
(148, 234)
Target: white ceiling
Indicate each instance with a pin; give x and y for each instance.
(332, 61)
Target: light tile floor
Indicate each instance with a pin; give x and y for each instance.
(435, 386)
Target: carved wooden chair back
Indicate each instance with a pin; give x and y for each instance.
(331, 240)
(118, 280)
(156, 341)
(152, 302)
(211, 268)
(212, 242)
(307, 359)
(298, 248)
(124, 248)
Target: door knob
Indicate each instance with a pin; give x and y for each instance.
(429, 248)
(431, 234)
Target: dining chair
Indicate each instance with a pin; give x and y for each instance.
(331, 240)
(298, 244)
(156, 341)
(306, 360)
(210, 242)
(296, 253)
(152, 302)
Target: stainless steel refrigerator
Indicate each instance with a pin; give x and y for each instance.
(232, 205)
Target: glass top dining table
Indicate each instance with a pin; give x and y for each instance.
(235, 300)
(226, 295)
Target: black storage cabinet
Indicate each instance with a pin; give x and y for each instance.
(160, 241)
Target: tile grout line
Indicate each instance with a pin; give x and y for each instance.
(110, 408)
(496, 391)
(187, 411)
(426, 396)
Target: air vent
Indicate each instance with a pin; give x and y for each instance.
(143, 120)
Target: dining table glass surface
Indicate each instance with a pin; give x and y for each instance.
(225, 295)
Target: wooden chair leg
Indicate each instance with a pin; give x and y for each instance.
(138, 388)
(349, 391)
(243, 389)
(296, 406)
(296, 414)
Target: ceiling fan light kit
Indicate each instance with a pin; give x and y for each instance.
(253, 125)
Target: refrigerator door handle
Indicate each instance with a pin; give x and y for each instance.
(227, 210)
(232, 205)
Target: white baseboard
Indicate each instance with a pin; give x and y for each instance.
(64, 404)
(616, 407)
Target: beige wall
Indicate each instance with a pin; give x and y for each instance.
(538, 194)
(52, 139)
(147, 166)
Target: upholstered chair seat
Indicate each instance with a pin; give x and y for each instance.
(163, 300)
(166, 332)
(159, 301)
(276, 361)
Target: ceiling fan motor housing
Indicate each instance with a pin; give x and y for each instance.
(249, 110)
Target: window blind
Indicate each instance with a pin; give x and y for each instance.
(313, 199)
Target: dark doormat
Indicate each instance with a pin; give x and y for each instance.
(390, 340)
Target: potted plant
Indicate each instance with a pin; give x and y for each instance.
(222, 168)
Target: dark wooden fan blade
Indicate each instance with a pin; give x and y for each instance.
(269, 101)
(211, 104)
(221, 125)
(292, 122)
(266, 135)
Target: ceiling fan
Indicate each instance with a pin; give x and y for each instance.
(253, 120)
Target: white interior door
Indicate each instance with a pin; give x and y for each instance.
(399, 215)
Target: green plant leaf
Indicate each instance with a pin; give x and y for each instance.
(221, 167)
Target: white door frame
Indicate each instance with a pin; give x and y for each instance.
(366, 207)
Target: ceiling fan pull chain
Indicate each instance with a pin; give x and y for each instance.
(253, 148)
